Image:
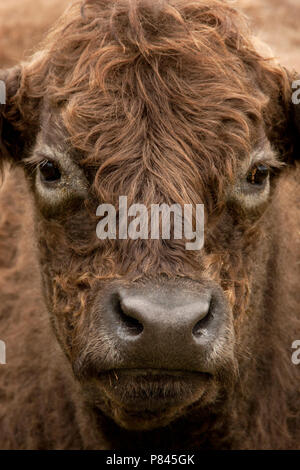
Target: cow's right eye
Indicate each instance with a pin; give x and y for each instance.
(49, 172)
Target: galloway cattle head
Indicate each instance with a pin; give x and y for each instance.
(165, 102)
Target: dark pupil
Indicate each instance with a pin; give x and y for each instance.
(258, 174)
(50, 172)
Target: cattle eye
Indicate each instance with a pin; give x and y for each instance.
(258, 175)
(49, 172)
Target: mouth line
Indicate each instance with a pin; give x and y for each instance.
(133, 372)
(149, 393)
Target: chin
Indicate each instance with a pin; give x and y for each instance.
(149, 399)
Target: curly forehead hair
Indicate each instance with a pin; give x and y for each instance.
(167, 81)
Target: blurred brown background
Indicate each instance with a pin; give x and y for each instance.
(23, 23)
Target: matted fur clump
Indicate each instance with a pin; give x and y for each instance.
(164, 102)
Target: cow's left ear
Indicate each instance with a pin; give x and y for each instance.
(296, 117)
(282, 111)
(296, 104)
(289, 123)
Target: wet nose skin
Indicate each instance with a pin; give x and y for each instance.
(166, 327)
(161, 314)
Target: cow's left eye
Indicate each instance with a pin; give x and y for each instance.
(258, 175)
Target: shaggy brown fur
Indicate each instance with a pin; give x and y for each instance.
(161, 102)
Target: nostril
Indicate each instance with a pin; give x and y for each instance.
(200, 327)
(127, 321)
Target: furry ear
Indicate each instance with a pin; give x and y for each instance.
(296, 109)
(292, 111)
(17, 126)
(282, 115)
(10, 137)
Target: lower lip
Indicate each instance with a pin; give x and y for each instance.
(152, 389)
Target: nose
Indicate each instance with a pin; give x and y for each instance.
(155, 315)
(166, 326)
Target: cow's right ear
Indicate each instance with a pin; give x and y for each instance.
(13, 123)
